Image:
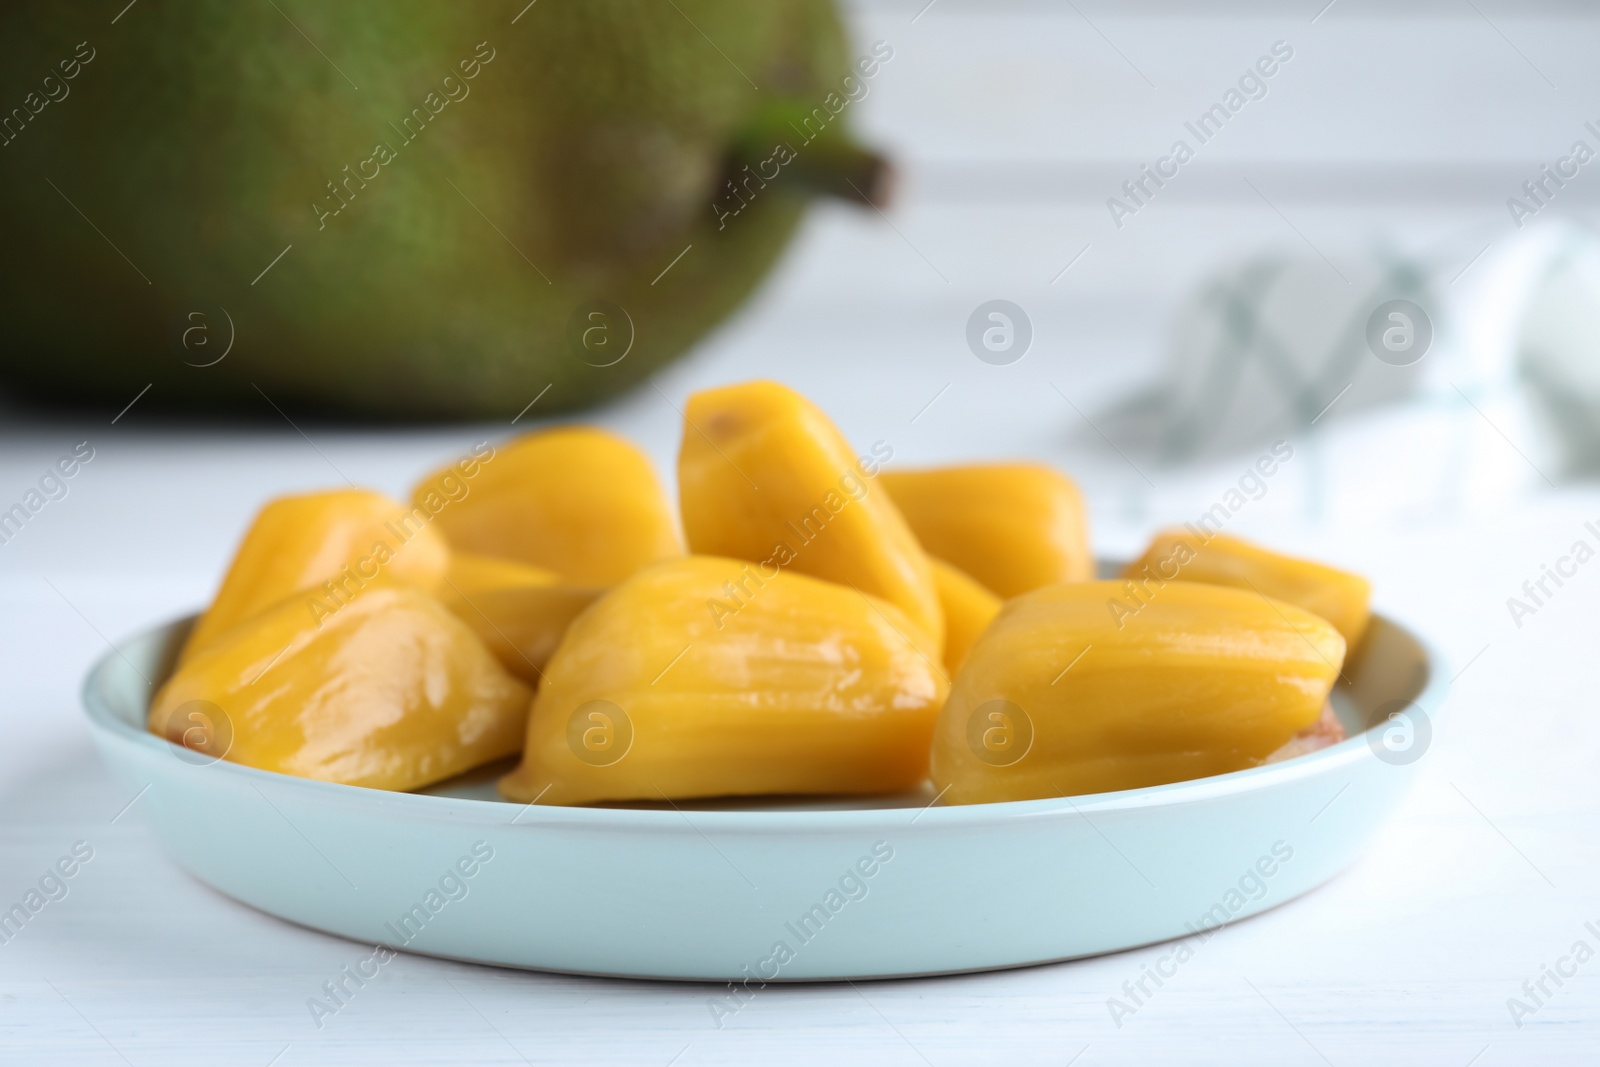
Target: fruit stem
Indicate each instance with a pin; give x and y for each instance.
(809, 160)
(844, 169)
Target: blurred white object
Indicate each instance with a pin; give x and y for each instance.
(1276, 344)
(1497, 355)
(1558, 344)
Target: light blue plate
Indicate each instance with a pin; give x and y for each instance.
(780, 891)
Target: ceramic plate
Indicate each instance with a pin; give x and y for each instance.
(774, 890)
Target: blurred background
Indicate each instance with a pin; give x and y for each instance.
(1152, 345)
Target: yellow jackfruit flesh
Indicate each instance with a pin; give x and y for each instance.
(577, 500)
(519, 612)
(1218, 559)
(333, 542)
(1014, 527)
(763, 475)
(1063, 696)
(708, 676)
(390, 691)
(968, 607)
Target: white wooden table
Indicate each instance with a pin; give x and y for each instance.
(1011, 121)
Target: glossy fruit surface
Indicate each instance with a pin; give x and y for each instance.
(1063, 695)
(331, 544)
(708, 676)
(391, 691)
(577, 501)
(1218, 559)
(968, 607)
(1013, 526)
(520, 613)
(765, 476)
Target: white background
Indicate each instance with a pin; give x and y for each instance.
(1012, 122)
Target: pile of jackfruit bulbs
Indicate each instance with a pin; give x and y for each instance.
(821, 626)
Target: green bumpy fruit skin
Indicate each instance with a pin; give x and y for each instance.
(591, 147)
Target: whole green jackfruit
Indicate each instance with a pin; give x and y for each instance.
(402, 208)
